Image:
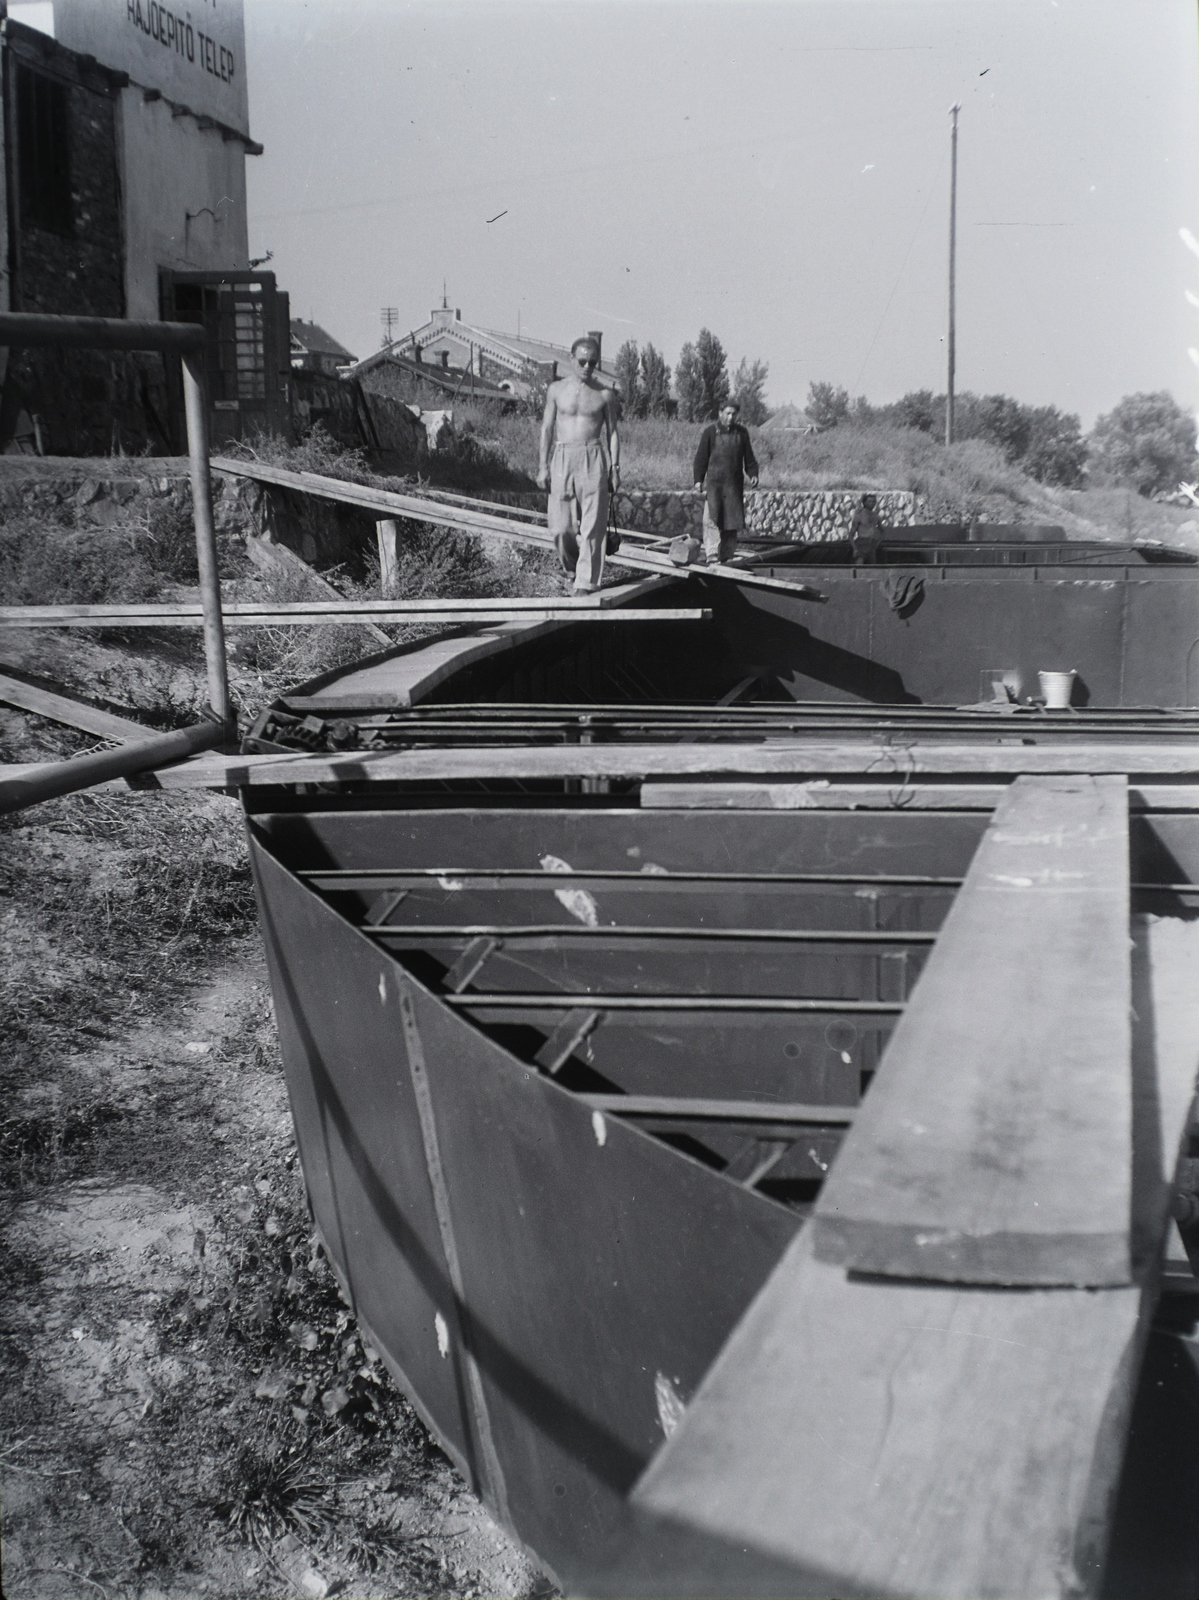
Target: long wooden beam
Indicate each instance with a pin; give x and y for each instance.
(423, 509)
(822, 795)
(44, 702)
(995, 1145)
(343, 613)
(876, 763)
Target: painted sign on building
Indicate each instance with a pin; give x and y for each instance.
(193, 53)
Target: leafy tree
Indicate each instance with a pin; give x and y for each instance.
(863, 413)
(713, 375)
(749, 386)
(826, 406)
(1057, 451)
(919, 409)
(1148, 440)
(627, 371)
(654, 387)
(688, 384)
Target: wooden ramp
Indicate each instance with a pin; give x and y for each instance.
(874, 1433)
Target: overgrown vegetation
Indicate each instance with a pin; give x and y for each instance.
(66, 560)
(265, 1444)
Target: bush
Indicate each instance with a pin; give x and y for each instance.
(1148, 441)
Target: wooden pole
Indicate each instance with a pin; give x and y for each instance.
(195, 406)
(953, 224)
(389, 566)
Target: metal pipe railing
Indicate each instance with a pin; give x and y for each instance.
(22, 330)
(56, 778)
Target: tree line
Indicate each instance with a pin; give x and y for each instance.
(701, 382)
(1147, 440)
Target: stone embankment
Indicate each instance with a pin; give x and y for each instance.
(803, 515)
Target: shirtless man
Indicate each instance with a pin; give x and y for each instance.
(580, 419)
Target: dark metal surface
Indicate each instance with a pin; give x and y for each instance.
(592, 1263)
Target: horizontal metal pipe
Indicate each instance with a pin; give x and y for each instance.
(24, 330)
(65, 777)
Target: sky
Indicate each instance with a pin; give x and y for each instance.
(777, 171)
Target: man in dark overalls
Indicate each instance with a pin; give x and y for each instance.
(725, 458)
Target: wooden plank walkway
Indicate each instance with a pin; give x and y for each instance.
(474, 519)
(994, 1144)
(341, 612)
(44, 702)
(865, 1436)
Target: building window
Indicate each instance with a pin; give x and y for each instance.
(43, 153)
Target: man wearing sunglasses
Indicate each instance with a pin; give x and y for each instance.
(580, 422)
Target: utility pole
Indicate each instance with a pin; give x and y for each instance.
(388, 316)
(953, 226)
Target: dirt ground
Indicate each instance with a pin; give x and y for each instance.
(187, 1408)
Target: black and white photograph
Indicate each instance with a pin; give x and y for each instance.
(599, 799)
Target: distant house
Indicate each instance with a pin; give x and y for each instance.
(789, 419)
(314, 350)
(512, 363)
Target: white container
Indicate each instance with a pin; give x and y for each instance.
(1056, 687)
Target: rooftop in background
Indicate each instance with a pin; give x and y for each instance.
(315, 350)
(790, 419)
(512, 362)
(401, 373)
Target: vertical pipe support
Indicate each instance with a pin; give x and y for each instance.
(953, 230)
(195, 405)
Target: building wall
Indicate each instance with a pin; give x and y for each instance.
(88, 401)
(185, 198)
(193, 53)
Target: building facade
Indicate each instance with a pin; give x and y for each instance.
(125, 131)
(512, 362)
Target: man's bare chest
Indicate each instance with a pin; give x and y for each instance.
(580, 401)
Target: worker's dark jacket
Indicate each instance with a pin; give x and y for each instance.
(723, 459)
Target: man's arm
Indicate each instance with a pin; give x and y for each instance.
(612, 414)
(547, 434)
(703, 455)
(751, 461)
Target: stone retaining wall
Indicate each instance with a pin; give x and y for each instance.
(802, 515)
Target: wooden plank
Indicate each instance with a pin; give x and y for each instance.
(73, 713)
(995, 1144)
(876, 1436)
(820, 795)
(680, 1108)
(341, 612)
(575, 1027)
(524, 763)
(277, 558)
(471, 520)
